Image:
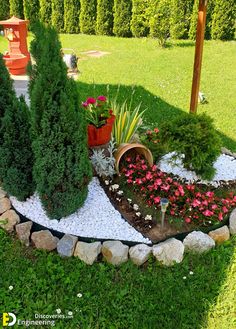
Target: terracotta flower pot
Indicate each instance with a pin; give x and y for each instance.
(124, 148)
(102, 135)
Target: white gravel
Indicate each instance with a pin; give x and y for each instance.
(225, 166)
(96, 219)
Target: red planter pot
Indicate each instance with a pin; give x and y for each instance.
(102, 135)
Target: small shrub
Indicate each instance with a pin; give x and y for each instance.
(104, 23)
(58, 15)
(195, 137)
(16, 8)
(122, 18)
(45, 11)
(140, 18)
(224, 17)
(160, 21)
(71, 16)
(31, 10)
(88, 16)
(4, 9)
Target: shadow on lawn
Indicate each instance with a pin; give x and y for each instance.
(157, 109)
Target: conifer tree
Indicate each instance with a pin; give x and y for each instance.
(16, 8)
(140, 18)
(104, 24)
(177, 19)
(45, 12)
(71, 16)
(62, 168)
(31, 10)
(122, 18)
(58, 15)
(88, 16)
(15, 141)
(4, 9)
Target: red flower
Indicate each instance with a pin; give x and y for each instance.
(210, 194)
(187, 220)
(156, 130)
(101, 98)
(84, 104)
(91, 100)
(157, 199)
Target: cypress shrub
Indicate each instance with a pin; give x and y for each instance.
(62, 168)
(160, 20)
(58, 15)
(140, 18)
(88, 12)
(71, 16)
(15, 143)
(104, 24)
(31, 10)
(45, 11)
(224, 19)
(16, 8)
(4, 9)
(122, 18)
(180, 18)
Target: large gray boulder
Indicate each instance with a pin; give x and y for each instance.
(44, 240)
(140, 253)
(169, 252)
(115, 252)
(232, 222)
(198, 242)
(5, 205)
(66, 246)
(220, 235)
(23, 232)
(88, 252)
(9, 219)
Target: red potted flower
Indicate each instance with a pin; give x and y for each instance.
(100, 120)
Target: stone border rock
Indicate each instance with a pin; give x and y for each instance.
(167, 253)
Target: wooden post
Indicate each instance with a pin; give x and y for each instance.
(198, 54)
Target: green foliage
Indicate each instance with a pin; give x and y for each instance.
(122, 18)
(16, 8)
(104, 23)
(195, 137)
(62, 169)
(58, 15)
(160, 20)
(179, 18)
(15, 142)
(45, 11)
(71, 16)
(88, 14)
(31, 10)
(4, 9)
(140, 18)
(224, 19)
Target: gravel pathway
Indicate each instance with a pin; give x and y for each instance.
(96, 219)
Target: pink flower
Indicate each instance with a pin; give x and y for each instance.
(149, 175)
(208, 213)
(154, 168)
(198, 195)
(102, 98)
(144, 167)
(138, 181)
(205, 203)
(214, 206)
(156, 130)
(196, 203)
(165, 187)
(181, 190)
(220, 216)
(91, 100)
(225, 209)
(187, 220)
(84, 104)
(158, 182)
(210, 194)
(157, 199)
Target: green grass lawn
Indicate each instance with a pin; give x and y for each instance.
(150, 297)
(161, 78)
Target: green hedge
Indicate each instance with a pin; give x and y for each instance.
(223, 20)
(45, 11)
(16, 8)
(71, 16)
(31, 10)
(4, 9)
(88, 17)
(104, 23)
(58, 15)
(122, 18)
(160, 20)
(140, 18)
(180, 18)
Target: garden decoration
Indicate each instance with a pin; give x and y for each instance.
(164, 205)
(17, 58)
(100, 120)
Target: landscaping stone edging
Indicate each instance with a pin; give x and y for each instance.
(168, 252)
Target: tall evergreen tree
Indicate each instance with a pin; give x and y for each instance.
(88, 16)
(71, 16)
(104, 24)
(58, 15)
(160, 20)
(62, 168)
(4, 9)
(224, 20)
(16, 8)
(31, 10)
(140, 18)
(15, 141)
(122, 18)
(45, 12)
(179, 18)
